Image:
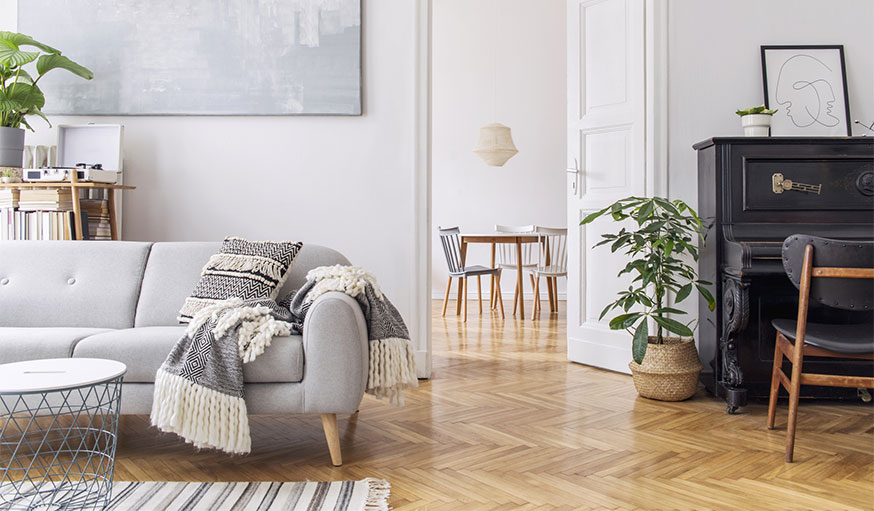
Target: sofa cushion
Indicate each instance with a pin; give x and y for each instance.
(144, 349)
(70, 283)
(241, 269)
(18, 344)
(174, 268)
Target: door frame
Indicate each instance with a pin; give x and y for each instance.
(421, 190)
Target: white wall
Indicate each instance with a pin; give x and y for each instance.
(344, 182)
(715, 65)
(528, 37)
(714, 68)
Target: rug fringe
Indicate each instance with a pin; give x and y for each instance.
(378, 492)
(202, 416)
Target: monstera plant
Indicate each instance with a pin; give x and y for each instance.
(23, 63)
(659, 237)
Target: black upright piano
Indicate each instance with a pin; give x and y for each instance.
(756, 191)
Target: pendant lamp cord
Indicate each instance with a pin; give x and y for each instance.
(495, 65)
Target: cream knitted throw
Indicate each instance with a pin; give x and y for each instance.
(392, 363)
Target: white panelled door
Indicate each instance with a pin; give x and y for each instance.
(606, 162)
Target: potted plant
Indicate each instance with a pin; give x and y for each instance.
(756, 121)
(665, 367)
(20, 95)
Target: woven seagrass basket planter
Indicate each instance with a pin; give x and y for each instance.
(669, 371)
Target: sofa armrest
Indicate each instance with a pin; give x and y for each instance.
(335, 355)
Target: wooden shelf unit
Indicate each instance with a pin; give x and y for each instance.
(74, 186)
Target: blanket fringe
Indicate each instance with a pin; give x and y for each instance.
(392, 369)
(378, 492)
(351, 280)
(203, 417)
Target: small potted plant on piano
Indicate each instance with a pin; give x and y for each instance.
(756, 121)
(660, 238)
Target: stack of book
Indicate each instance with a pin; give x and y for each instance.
(45, 199)
(97, 212)
(9, 198)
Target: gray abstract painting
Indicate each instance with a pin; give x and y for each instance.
(202, 57)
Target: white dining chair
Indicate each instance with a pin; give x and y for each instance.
(505, 258)
(551, 263)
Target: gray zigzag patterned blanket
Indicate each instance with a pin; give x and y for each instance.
(199, 387)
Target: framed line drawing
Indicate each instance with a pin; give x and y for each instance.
(807, 85)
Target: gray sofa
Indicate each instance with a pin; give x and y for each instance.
(119, 300)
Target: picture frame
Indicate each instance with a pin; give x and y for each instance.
(807, 85)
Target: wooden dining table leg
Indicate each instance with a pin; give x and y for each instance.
(492, 301)
(519, 277)
(460, 287)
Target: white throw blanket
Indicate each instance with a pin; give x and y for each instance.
(199, 387)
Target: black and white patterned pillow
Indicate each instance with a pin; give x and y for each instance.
(242, 269)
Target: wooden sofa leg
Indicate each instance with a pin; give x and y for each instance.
(332, 435)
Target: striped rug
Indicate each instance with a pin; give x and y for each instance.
(364, 495)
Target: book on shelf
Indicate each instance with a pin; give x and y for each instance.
(45, 200)
(9, 198)
(98, 218)
(39, 225)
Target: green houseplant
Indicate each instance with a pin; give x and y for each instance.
(660, 239)
(20, 95)
(756, 121)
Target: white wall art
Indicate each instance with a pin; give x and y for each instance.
(807, 85)
(202, 57)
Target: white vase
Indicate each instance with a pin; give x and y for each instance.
(756, 125)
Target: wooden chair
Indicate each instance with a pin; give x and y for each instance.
(837, 274)
(449, 237)
(506, 257)
(551, 263)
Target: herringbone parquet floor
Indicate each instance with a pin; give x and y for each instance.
(507, 423)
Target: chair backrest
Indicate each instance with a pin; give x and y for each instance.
(451, 248)
(506, 253)
(848, 290)
(552, 248)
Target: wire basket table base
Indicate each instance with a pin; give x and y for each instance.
(57, 447)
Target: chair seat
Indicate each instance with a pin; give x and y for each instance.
(513, 266)
(850, 339)
(549, 271)
(475, 270)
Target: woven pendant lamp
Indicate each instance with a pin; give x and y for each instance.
(495, 144)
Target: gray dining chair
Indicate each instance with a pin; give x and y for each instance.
(451, 241)
(551, 263)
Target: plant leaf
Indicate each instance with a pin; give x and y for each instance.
(16, 39)
(673, 325)
(683, 293)
(638, 344)
(624, 321)
(57, 61)
(11, 56)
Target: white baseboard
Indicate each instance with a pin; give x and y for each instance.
(436, 295)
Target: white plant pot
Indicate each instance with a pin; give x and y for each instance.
(756, 125)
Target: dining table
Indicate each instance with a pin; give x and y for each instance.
(494, 238)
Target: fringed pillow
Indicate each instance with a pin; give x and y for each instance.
(242, 269)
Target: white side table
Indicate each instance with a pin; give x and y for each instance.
(58, 432)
